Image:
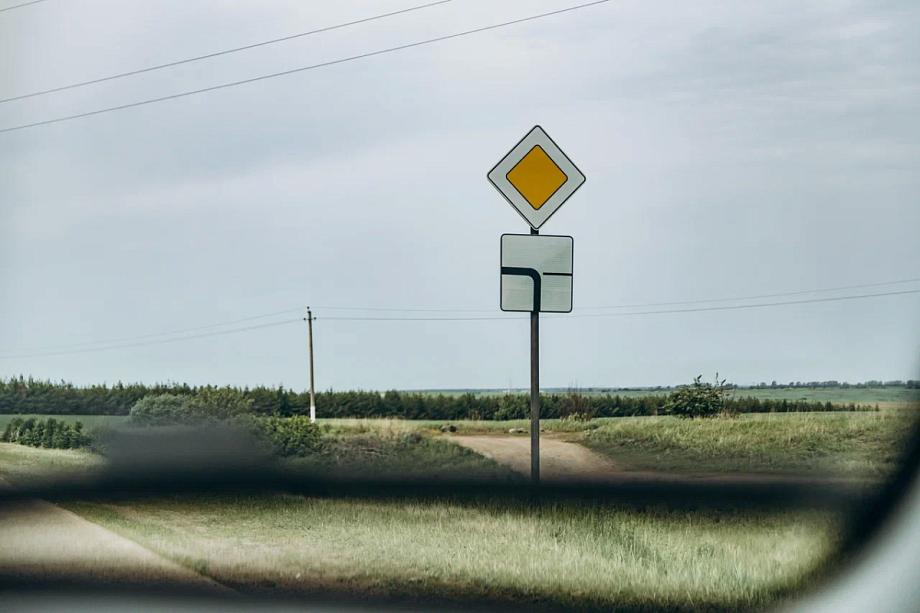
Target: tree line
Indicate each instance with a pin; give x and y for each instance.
(29, 396)
(48, 433)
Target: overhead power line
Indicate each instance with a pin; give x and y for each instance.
(156, 334)
(797, 293)
(19, 6)
(570, 316)
(636, 305)
(417, 319)
(157, 342)
(301, 69)
(220, 53)
(749, 306)
(410, 310)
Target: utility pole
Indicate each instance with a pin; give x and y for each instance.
(312, 395)
(535, 393)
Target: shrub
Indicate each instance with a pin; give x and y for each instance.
(166, 410)
(287, 436)
(698, 400)
(208, 406)
(224, 403)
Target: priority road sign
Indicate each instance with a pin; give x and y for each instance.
(536, 177)
(536, 274)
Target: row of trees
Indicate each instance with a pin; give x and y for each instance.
(27, 396)
(48, 433)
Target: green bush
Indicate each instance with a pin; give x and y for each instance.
(209, 405)
(287, 436)
(48, 433)
(166, 410)
(698, 400)
(224, 403)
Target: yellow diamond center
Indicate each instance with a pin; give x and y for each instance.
(536, 177)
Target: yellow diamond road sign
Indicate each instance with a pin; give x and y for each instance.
(536, 177)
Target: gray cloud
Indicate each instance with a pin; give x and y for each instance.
(730, 149)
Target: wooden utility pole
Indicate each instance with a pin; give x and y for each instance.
(312, 396)
(535, 393)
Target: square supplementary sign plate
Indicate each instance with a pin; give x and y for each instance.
(536, 177)
(536, 273)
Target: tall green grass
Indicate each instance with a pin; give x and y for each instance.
(578, 555)
(859, 444)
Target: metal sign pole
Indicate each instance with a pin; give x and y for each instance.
(535, 393)
(536, 178)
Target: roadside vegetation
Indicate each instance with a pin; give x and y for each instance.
(861, 444)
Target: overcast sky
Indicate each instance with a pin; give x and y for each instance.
(731, 149)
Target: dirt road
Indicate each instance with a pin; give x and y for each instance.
(558, 459)
(41, 541)
(562, 461)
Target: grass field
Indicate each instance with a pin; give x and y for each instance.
(567, 554)
(491, 551)
(862, 444)
(20, 464)
(836, 395)
(852, 444)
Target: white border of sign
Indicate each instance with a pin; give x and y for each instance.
(498, 176)
(570, 275)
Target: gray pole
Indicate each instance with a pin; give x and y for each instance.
(535, 393)
(312, 396)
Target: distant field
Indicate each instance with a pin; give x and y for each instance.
(857, 395)
(836, 395)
